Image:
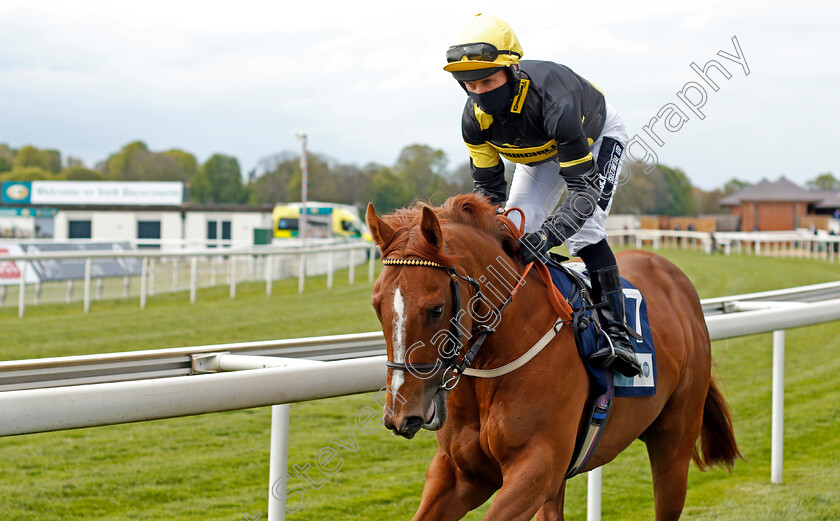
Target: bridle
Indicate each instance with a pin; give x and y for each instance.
(450, 361)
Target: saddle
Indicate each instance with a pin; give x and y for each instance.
(578, 308)
(573, 282)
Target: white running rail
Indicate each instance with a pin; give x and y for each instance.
(271, 381)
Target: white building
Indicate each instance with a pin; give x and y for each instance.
(169, 227)
(150, 214)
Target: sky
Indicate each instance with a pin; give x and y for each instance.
(363, 80)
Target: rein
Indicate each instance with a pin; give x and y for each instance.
(561, 306)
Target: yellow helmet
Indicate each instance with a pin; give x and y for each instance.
(485, 42)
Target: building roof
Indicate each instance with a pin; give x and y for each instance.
(828, 199)
(781, 190)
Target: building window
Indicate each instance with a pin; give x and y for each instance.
(79, 230)
(213, 232)
(148, 230)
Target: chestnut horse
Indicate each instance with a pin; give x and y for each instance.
(516, 433)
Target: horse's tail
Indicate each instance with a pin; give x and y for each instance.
(717, 437)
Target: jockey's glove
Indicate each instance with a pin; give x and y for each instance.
(534, 246)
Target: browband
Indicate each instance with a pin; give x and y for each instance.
(413, 262)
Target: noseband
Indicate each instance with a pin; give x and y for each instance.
(483, 331)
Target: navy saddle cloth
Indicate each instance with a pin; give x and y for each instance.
(590, 340)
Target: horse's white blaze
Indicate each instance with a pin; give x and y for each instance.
(398, 339)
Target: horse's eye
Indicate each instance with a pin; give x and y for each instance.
(436, 312)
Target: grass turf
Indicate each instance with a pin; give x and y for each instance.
(216, 466)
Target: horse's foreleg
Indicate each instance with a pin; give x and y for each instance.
(553, 509)
(527, 485)
(448, 494)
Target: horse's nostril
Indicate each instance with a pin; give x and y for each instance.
(411, 425)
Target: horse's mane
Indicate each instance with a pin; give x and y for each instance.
(472, 210)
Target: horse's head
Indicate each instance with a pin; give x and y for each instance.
(428, 301)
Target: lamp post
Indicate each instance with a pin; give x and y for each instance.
(304, 187)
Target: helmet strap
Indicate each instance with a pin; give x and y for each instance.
(513, 73)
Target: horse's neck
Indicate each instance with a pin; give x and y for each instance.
(527, 317)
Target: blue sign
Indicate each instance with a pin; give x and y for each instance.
(17, 192)
(28, 212)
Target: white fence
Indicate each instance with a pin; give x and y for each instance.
(777, 244)
(163, 270)
(272, 380)
(181, 268)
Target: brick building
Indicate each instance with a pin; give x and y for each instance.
(780, 205)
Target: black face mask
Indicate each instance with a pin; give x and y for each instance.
(496, 101)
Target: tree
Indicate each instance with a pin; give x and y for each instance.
(219, 180)
(389, 191)
(7, 158)
(708, 202)
(422, 169)
(352, 183)
(30, 156)
(272, 186)
(185, 166)
(120, 165)
(135, 162)
(320, 183)
(73, 162)
(80, 173)
(27, 173)
(461, 178)
(824, 182)
(682, 193)
(641, 192)
(734, 185)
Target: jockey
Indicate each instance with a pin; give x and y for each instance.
(559, 130)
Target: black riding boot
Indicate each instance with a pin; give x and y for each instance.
(606, 289)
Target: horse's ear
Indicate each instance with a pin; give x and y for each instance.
(379, 229)
(430, 226)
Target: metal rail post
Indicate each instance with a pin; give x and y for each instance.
(22, 289)
(279, 462)
(301, 272)
(593, 494)
(144, 268)
(174, 274)
(269, 274)
(778, 415)
(329, 270)
(88, 263)
(232, 271)
(193, 279)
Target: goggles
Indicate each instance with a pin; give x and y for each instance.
(482, 51)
